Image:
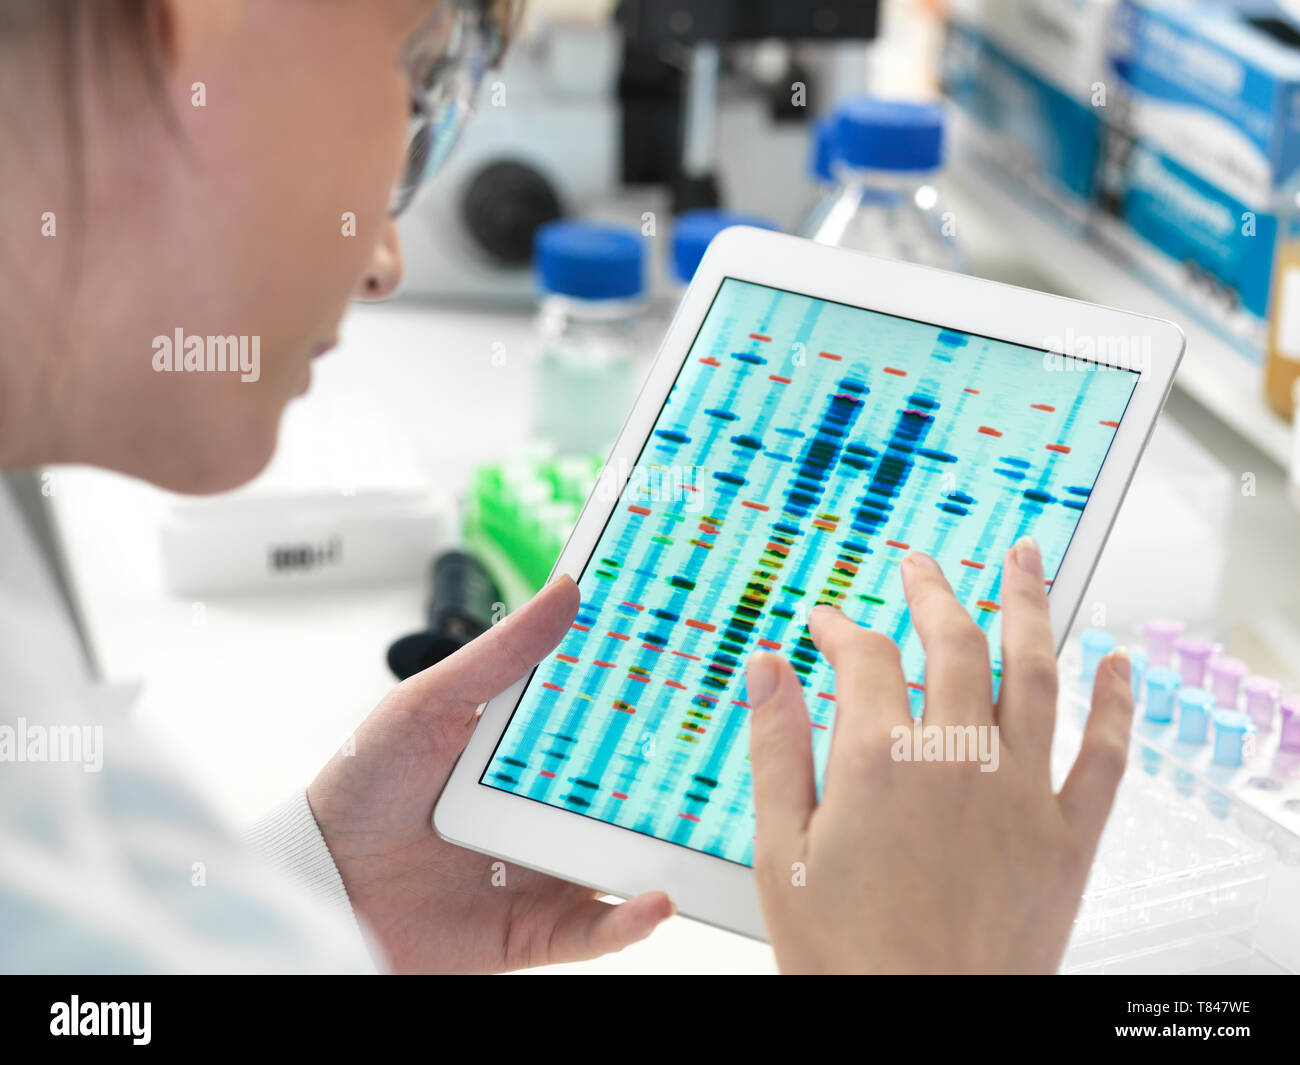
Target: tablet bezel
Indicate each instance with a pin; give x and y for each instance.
(624, 862)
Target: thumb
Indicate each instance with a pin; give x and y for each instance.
(488, 665)
(780, 753)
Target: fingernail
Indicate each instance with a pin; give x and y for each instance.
(921, 560)
(821, 609)
(1028, 557)
(760, 679)
(1121, 664)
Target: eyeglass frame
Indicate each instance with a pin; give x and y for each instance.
(442, 99)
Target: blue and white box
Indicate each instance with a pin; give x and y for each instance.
(1202, 143)
(1031, 74)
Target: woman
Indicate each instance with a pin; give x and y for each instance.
(231, 168)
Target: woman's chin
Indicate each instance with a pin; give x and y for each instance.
(220, 466)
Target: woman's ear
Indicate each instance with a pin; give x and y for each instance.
(159, 30)
(184, 31)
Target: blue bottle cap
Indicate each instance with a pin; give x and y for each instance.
(824, 148)
(694, 230)
(1194, 708)
(900, 135)
(1230, 728)
(589, 260)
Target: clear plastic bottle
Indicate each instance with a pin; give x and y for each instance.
(593, 293)
(889, 154)
(821, 168)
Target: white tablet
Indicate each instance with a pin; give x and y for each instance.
(812, 415)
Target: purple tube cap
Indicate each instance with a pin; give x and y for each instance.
(1160, 634)
(1194, 647)
(1257, 685)
(1261, 697)
(1290, 737)
(1228, 667)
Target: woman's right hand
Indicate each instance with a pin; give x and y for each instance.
(931, 866)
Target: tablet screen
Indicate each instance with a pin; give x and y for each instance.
(805, 447)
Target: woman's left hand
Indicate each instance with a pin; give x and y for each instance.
(432, 905)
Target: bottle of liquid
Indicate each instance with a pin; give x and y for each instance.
(821, 167)
(592, 278)
(1282, 361)
(889, 155)
(693, 232)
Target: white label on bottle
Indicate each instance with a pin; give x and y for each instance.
(1287, 339)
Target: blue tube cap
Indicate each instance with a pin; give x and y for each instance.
(694, 231)
(1195, 705)
(1162, 685)
(875, 134)
(1137, 659)
(589, 260)
(1096, 644)
(1230, 730)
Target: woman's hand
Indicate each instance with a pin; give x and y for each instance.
(916, 866)
(435, 906)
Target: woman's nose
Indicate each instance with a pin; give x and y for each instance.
(384, 271)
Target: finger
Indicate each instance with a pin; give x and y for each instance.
(488, 665)
(958, 679)
(1027, 701)
(593, 928)
(1089, 790)
(780, 754)
(870, 691)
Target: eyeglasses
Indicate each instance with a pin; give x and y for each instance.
(446, 59)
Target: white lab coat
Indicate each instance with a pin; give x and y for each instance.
(120, 867)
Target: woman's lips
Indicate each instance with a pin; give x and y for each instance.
(304, 382)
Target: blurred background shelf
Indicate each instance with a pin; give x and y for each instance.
(1010, 238)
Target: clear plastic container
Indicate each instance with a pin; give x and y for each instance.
(593, 294)
(889, 157)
